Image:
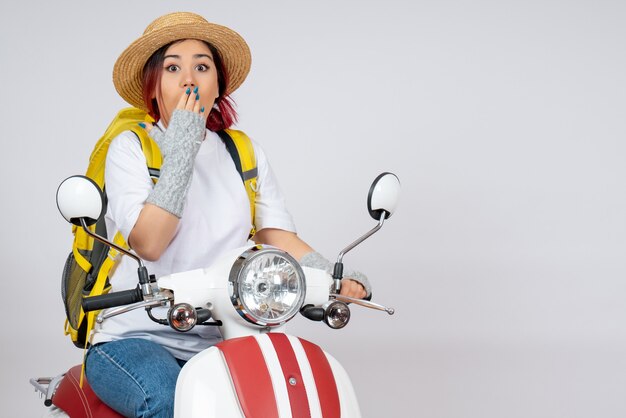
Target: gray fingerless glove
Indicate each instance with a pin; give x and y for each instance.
(317, 261)
(179, 145)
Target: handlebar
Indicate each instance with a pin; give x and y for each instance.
(110, 300)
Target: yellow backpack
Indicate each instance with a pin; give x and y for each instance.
(87, 267)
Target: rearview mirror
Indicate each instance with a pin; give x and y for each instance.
(383, 195)
(80, 197)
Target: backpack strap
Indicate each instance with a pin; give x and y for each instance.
(101, 286)
(151, 151)
(241, 150)
(237, 143)
(126, 120)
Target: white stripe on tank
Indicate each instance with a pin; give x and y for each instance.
(276, 374)
(307, 377)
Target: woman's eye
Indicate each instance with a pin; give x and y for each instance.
(172, 68)
(202, 67)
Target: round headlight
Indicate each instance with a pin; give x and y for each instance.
(267, 286)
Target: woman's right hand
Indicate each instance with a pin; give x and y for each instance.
(179, 144)
(186, 126)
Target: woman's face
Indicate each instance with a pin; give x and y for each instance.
(187, 64)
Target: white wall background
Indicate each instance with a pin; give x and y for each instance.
(505, 121)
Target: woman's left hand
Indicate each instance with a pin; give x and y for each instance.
(352, 288)
(290, 242)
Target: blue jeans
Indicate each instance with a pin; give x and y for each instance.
(136, 377)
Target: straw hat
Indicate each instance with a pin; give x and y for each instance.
(128, 70)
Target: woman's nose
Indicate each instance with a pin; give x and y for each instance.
(187, 79)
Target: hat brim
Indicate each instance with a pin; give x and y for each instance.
(128, 69)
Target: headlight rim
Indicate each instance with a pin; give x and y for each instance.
(235, 273)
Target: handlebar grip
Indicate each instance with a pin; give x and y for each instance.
(110, 300)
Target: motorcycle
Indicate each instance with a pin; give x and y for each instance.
(250, 294)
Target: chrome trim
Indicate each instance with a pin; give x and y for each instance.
(365, 303)
(39, 382)
(146, 289)
(233, 280)
(158, 300)
(381, 221)
(189, 308)
(363, 238)
(336, 304)
(50, 388)
(109, 243)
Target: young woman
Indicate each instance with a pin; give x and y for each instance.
(181, 71)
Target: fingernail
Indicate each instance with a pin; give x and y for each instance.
(197, 96)
(202, 109)
(188, 90)
(195, 90)
(143, 125)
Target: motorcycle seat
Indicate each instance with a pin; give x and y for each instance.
(80, 402)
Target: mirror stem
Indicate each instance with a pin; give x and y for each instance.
(144, 279)
(108, 243)
(363, 238)
(338, 271)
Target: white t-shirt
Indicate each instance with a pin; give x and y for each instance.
(215, 220)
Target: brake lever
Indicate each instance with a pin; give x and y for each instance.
(157, 300)
(364, 303)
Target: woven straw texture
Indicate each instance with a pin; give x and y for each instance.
(234, 51)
